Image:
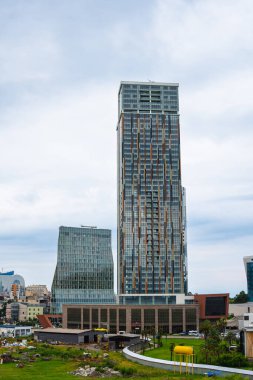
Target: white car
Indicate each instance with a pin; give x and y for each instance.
(193, 333)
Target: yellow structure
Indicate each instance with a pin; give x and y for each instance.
(181, 353)
(185, 350)
(100, 329)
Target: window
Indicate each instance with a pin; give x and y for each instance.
(113, 316)
(149, 317)
(74, 317)
(215, 306)
(86, 318)
(103, 315)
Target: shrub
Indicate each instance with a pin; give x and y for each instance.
(100, 369)
(72, 353)
(109, 363)
(235, 359)
(237, 377)
(127, 371)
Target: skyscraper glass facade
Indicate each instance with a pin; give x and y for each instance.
(248, 264)
(151, 232)
(184, 225)
(84, 270)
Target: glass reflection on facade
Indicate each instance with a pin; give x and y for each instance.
(151, 202)
(248, 264)
(84, 270)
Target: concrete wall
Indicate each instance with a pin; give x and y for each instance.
(66, 338)
(175, 366)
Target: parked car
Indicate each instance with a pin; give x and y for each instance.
(193, 333)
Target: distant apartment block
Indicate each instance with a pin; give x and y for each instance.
(84, 270)
(12, 285)
(36, 291)
(20, 312)
(16, 312)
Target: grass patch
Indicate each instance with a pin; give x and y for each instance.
(64, 359)
(53, 370)
(165, 353)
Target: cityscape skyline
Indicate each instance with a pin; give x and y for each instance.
(58, 167)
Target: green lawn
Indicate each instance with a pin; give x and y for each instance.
(66, 359)
(53, 370)
(164, 351)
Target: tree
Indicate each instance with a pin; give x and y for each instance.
(242, 297)
(221, 325)
(153, 333)
(211, 347)
(205, 328)
(171, 348)
(3, 310)
(230, 337)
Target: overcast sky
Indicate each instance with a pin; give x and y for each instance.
(61, 62)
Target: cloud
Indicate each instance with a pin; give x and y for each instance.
(60, 159)
(193, 32)
(61, 65)
(218, 267)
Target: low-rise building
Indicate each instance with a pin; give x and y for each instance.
(16, 312)
(212, 306)
(20, 312)
(134, 318)
(119, 341)
(33, 311)
(167, 319)
(246, 321)
(239, 309)
(14, 331)
(68, 336)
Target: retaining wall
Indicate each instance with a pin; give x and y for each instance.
(175, 366)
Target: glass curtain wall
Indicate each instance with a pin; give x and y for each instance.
(84, 270)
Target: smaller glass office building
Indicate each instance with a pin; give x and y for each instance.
(84, 270)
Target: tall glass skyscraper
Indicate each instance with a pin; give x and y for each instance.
(248, 264)
(151, 206)
(84, 270)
